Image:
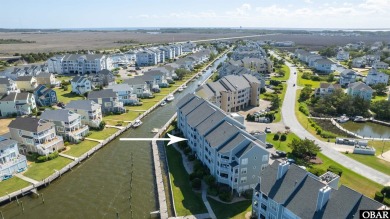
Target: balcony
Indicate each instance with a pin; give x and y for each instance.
(49, 143)
(40, 136)
(19, 159)
(79, 132)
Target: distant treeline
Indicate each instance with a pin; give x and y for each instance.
(127, 41)
(14, 41)
(28, 30)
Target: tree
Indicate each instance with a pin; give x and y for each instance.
(305, 93)
(381, 109)
(304, 148)
(275, 102)
(380, 89)
(330, 77)
(181, 72)
(328, 52)
(276, 137)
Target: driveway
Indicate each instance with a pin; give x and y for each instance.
(289, 119)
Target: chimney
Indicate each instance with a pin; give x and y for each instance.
(282, 169)
(323, 197)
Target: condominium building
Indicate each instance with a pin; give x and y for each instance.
(232, 93)
(147, 58)
(288, 191)
(68, 124)
(233, 156)
(17, 104)
(35, 135)
(79, 63)
(10, 159)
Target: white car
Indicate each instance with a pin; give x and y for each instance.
(267, 130)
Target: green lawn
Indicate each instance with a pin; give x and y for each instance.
(378, 98)
(281, 145)
(102, 135)
(373, 162)
(379, 145)
(187, 202)
(66, 96)
(278, 115)
(128, 116)
(236, 210)
(76, 150)
(12, 185)
(302, 82)
(40, 171)
(286, 76)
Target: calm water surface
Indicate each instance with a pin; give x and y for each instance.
(368, 129)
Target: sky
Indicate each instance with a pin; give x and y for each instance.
(351, 14)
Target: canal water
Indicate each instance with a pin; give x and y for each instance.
(103, 185)
(368, 129)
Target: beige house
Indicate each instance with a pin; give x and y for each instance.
(232, 93)
(47, 79)
(91, 112)
(17, 103)
(35, 135)
(26, 83)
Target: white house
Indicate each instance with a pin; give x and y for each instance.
(8, 86)
(10, 159)
(326, 89)
(380, 65)
(347, 76)
(342, 55)
(35, 135)
(90, 111)
(17, 104)
(361, 90)
(376, 77)
(125, 93)
(139, 86)
(323, 65)
(81, 85)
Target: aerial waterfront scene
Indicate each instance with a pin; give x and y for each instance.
(195, 109)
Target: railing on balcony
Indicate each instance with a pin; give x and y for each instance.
(20, 158)
(49, 143)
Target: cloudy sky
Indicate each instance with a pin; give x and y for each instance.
(195, 13)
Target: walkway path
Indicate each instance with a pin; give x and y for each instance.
(92, 139)
(290, 119)
(67, 156)
(197, 216)
(206, 202)
(114, 126)
(25, 178)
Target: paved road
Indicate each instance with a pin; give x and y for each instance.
(289, 118)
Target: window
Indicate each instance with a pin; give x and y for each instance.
(244, 161)
(263, 166)
(243, 180)
(272, 205)
(254, 167)
(20, 133)
(107, 104)
(264, 207)
(265, 158)
(243, 170)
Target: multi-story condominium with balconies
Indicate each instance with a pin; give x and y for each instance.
(232, 93)
(147, 58)
(8, 86)
(68, 124)
(35, 135)
(79, 63)
(18, 104)
(90, 112)
(108, 99)
(233, 156)
(10, 159)
(288, 192)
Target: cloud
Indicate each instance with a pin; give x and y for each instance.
(308, 1)
(242, 11)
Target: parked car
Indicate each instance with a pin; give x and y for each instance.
(267, 130)
(61, 104)
(137, 68)
(291, 160)
(5, 177)
(268, 145)
(281, 153)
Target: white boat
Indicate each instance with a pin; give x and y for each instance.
(155, 130)
(342, 119)
(163, 103)
(199, 84)
(137, 123)
(184, 86)
(359, 119)
(197, 76)
(170, 98)
(180, 89)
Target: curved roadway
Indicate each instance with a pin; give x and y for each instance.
(289, 119)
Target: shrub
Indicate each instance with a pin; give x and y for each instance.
(192, 176)
(335, 170)
(66, 143)
(315, 78)
(304, 110)
(191, 157)
(319, 131)
(276, 137)
(283, 137)
(316, 171)
(212, 191)
(248, 194)
(196, 183)
(53, 156)
(386, 201)
(379, 196)
(225, 196)
(187, 150)
(210, 180)
(42, 159)
(386, 190)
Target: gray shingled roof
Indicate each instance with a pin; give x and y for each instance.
(24, 78)
(324, 62)
(190, 106)
(5, 81)
(44, 75)
(210, 122)
(134, 81)
(16, 96)
(184, 100)
(238, 139)
(120, 87)
(220, 134)
(30, 124)
(199, 114)
(107, 93)
(360, 86)
(6, 142)
(63, 115)
(81, 104)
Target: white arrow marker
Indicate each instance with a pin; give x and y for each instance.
(172, 139)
